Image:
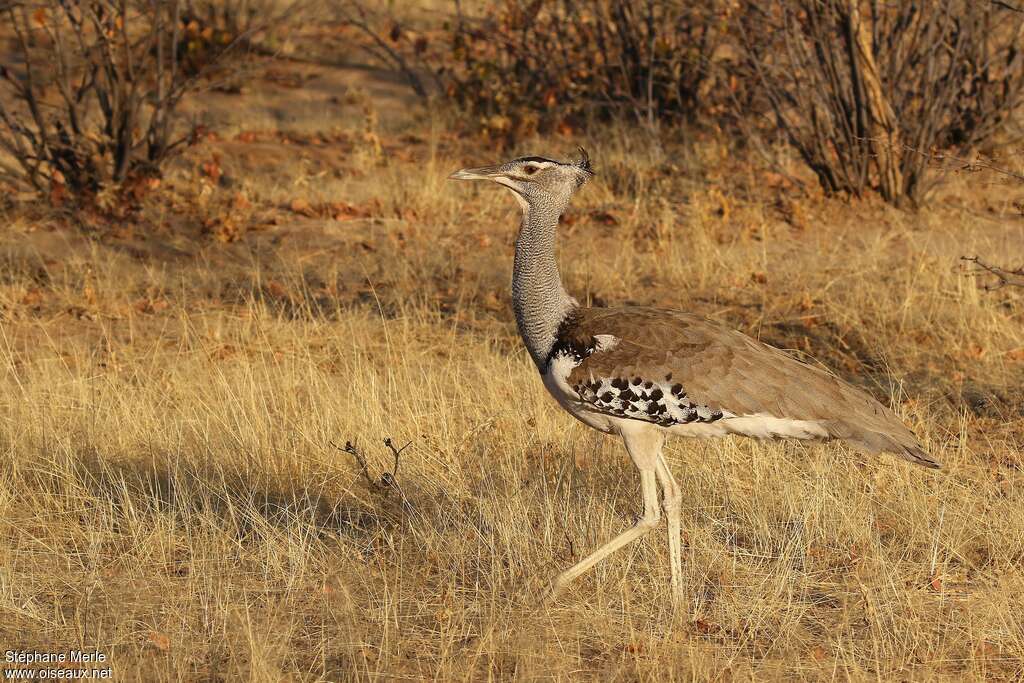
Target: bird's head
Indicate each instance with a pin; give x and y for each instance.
(535, 179)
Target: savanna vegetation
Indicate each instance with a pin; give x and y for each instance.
(265, 415)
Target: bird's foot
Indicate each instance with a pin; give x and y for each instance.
(549, 590)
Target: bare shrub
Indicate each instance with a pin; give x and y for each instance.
(94, 94)
(866, 90)
(535, 65)
(390, 42)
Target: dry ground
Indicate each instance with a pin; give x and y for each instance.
(171, 391)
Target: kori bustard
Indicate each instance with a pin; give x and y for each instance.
(648, 373)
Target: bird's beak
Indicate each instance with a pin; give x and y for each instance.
(481, 173)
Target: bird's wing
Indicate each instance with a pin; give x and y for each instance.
(668, 367)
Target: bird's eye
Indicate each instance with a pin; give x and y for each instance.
(530, 170)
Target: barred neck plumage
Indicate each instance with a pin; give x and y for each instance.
(538, 297)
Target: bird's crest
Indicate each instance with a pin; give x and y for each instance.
(584, 162)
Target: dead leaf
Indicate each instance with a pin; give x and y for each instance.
(276, 289)
(211, 169)
(159, 640)
(936, 583)
(39, 17)
(150, 305)
(975, 351)
(32, 297)
(302, 207)
(775, 180)
(706, 627)
(224, 229)
(343, 211)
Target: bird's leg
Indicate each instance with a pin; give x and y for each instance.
(671, 504)
(644, 449)
(648, 521)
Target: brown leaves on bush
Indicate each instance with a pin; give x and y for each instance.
(550, 66)
(868, 93)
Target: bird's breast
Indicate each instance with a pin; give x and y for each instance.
(556, 380)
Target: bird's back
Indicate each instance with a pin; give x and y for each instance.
(672, 369)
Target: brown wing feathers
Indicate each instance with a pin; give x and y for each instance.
(722, 370)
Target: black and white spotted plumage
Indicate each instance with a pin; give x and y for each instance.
(656, 400)
(662, 402)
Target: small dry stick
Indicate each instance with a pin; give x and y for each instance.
(1006, 5)
(388, 480)
(1004, 277)
(360, 460)
(979, 163)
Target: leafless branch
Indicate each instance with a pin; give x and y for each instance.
(355, 14)
(978, 163)
(1004, 277)
(388, 480)
(1006, 5)
(360, 460)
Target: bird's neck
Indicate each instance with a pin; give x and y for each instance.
(538, 297)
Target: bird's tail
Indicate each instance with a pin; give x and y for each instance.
(897, 440)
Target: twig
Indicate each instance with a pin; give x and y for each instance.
(1006, 5)
(381, 50)
(360, 460)
(1004, 277)
(969, 165)
(388, 480)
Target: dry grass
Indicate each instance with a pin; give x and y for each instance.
(169, 494)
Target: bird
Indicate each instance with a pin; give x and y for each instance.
(646, 373)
